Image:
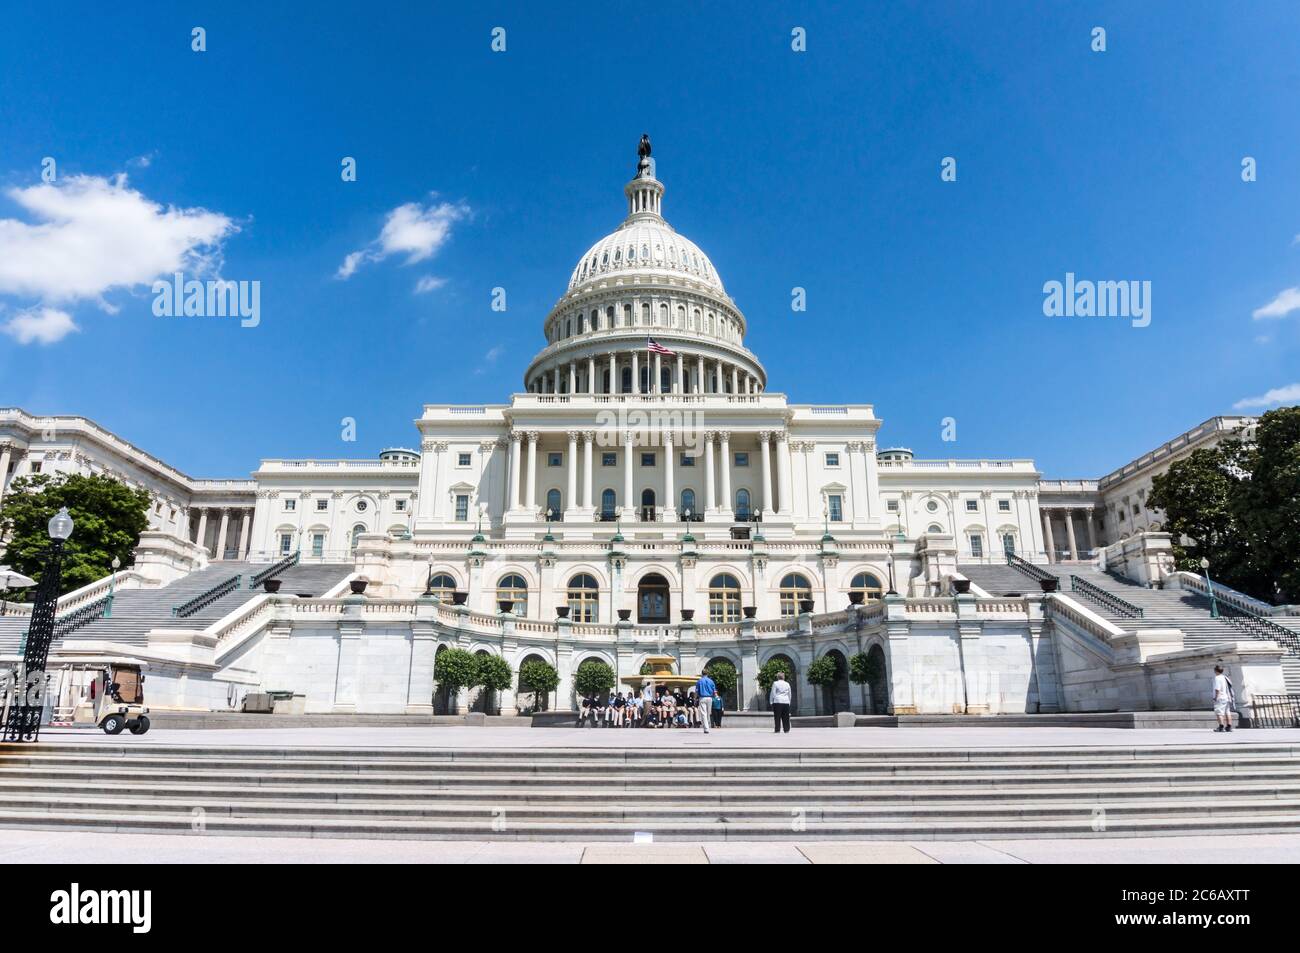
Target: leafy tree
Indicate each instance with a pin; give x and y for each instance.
(1268, 504)
(723, 674)
(767, 674)
(593, 677)
(540, 678)
(867, 669)
(454, 669)
(492, 673)
(823, 673)
(108, 519)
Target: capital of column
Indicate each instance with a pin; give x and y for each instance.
(516, 436)
(764, 436)
(574, 435)
(589, 436)
(533, 436)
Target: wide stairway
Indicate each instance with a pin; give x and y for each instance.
(136, 611)
(1161, 608)
(679, 794)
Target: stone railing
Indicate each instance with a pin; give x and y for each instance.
(91, 592)
(1083, 618)
(1189, 580)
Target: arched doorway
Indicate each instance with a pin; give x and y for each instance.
(652, 599)
(878, 683)
(731, 698)
(791, 676)
(647, 506)
(540, 701)
(835, 697)
(444, 703)
(482, 699)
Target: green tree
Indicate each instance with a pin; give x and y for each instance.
(867, 670)
(1268, 504)
(492, 673)
(540, 678)
(593, 677)
(723, 674)
(767, 674)
(454, 669)
(107, 514)
(823, 673)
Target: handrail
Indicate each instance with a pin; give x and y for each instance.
(1107, 600)
(206, 598)
(1187, 580)
(1029, 569)
(1260, 628)
(1275, 711)
(273, 570)
(82, 615)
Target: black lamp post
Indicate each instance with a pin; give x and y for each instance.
(24, 723)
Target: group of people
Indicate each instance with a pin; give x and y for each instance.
(654, 707)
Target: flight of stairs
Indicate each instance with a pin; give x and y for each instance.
(136, 611)
(1161, 608)
(674, 794)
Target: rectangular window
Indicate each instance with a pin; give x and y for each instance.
(1008, 543)
(322, 506)
(972, 506)
(462, 507)
(976, 545)
(286, 540)
(401, 506)
(742, 459)
(462, 459)
(36, 468)
(836, 508)
(1004, 506)
(318, 544)
(290, 505)
(647, 459)
(891, 506)
(688, 460)
(555, 459)
(832, 459)
(609, 459)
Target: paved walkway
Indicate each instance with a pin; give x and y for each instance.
(60, 847)
(633, 738)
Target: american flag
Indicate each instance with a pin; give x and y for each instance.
(652, 345)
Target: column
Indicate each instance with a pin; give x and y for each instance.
(201, 537)
(709, 502)
(245, 518)
(1069, 532)
(591, 375)
(220, 549)
(613, 374)
(724, 460)
(571, 463)
(530, 494)
(628, 509)
(735, 379)
(515, 437)
(6, 452)
(784, 480)
(655, 387)
(588, 438)
(764, 446)
(1048, 540)
(681, 381)
(718, 383)
(573, 377)
(670, 492)
(636, 373)
(699, 375)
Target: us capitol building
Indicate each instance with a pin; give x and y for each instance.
(646, 491)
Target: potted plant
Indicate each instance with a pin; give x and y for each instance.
(749, 611)
(271, 585)
(1049, 585)
(624, 615)
(358, 586)
(688, 615)
(961, 586)
(805, 605)
(505, 605)
(561, 612)
(855, 597)
(458, 597)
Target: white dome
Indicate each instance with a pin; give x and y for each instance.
(646, 247)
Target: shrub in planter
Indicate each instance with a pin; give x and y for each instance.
(823, 673)
(593, 677)
(454, 669)
(492, 673)
(723, 674)
(539, 679)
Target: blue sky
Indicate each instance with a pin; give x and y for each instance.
(817, 169)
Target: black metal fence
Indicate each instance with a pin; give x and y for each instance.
(1275, 711)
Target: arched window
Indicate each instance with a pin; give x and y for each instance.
(584, 598)
(441, 586)
(356, 535)
(688, 505)
(742, 504)
(794, 587)
(582, 323)
(515, 588)
(647, 506)
(608, 504)
(868, 585)
(627, 381)
(553, 504)
(724, 598)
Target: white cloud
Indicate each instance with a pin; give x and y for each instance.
(1278, 395)
(413, 230)
(1286, 302)
(91, 235)
(428, 283)
(40, 325)
(494, 353)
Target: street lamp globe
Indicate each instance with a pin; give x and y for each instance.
(1205, 563)
(61, 525)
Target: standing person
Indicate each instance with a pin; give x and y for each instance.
(705, 689)
(717, 708)
(779, 698)
(1224, 699)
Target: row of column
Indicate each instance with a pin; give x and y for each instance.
(218, 548)
(699, 376)
(526, 473)
(1049, 537)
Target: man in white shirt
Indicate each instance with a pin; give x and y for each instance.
(779, 699)
(1223, 699)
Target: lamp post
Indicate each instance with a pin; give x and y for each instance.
(108, 609)
(1214, 603)
(550, 514)
(889, 559)
(24, 722)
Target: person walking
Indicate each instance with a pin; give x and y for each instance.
(779, 698)
(1224, 699)
(716, 714)
(705, 689)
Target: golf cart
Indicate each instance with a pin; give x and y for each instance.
(118, 696)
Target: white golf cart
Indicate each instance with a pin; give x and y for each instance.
(117, 693)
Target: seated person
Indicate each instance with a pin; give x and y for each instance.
(587, 710)
(618, 706)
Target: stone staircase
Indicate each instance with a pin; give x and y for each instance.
(674, 794)
(136, 611)
(1161, 608)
